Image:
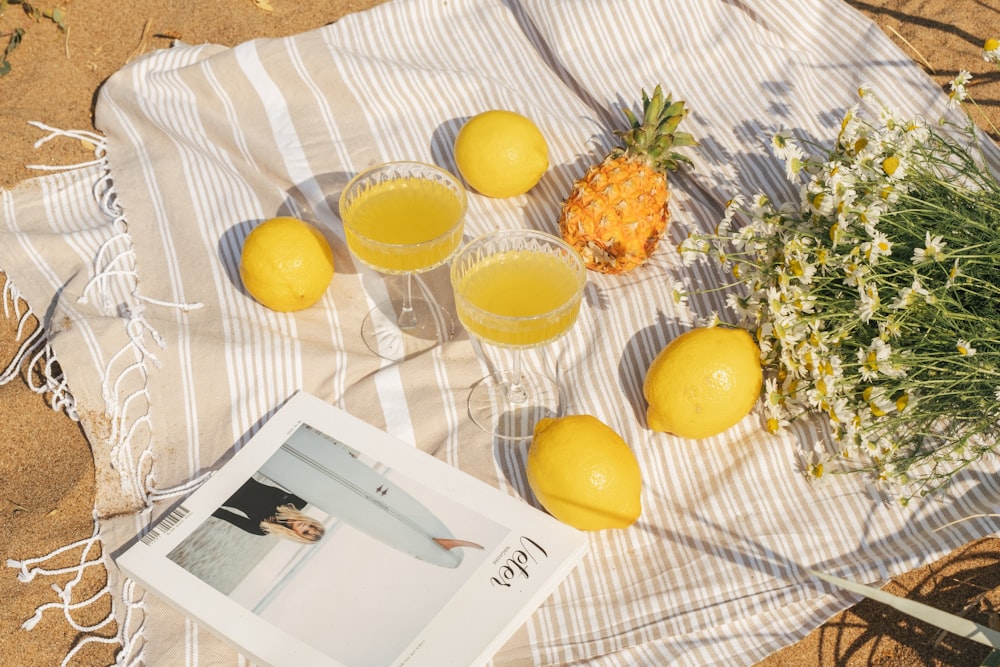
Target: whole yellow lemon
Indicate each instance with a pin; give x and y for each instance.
(583, 473)
(286, 264)
(501, 153)
(703, 382)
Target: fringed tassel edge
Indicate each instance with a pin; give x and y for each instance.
(34, 360)
(114, 276)
(130, 634)
(68, 602)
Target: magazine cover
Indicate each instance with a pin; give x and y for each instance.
(325, 541)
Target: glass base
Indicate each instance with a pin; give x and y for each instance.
(497, 407)
(394, 335)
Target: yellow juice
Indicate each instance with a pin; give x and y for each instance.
(518, 298)
(406, 224)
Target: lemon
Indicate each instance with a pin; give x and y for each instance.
(501, 153)
(583, 473)
(703, 382)
(286, 264)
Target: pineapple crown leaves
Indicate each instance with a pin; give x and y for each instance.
(655, 136)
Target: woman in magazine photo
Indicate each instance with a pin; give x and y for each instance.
(263, 509)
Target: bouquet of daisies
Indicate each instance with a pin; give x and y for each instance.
(876, 297)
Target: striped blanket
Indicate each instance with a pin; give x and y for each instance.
(133, 261)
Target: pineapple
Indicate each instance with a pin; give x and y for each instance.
(618, 210)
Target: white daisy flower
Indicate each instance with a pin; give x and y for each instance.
(991, 50)
(933, 250)
(958, 93)
(964, 348)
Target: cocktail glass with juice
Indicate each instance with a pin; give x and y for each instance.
(516, 289)
(403, 218)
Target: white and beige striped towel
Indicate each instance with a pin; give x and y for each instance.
(171, 364)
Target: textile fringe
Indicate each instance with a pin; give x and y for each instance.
(88, 138)
(113, 287)
(132, 638)
(69, 602)
(114, 283)
(34, 360)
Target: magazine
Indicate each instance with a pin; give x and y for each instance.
(326, 541)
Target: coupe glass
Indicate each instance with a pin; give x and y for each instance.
(516, 289)
(402, 218)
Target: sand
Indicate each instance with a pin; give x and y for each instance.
(46, 471)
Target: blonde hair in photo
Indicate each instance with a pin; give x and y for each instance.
(279, 525)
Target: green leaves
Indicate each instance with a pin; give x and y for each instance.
(12, 43)
(57, 15)
(656, 135)
(876, 292)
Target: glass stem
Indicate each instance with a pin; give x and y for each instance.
(515, 391)
(407, 318)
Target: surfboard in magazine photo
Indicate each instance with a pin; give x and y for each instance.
(326, 541)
